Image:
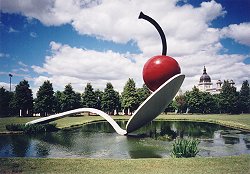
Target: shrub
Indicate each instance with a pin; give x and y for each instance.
(15, 127)
(32, 128)
(185, 148)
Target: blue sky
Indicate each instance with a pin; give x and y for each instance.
(103, 41)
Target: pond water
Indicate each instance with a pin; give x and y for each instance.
(98, 140)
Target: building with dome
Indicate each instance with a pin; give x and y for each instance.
(205, 84)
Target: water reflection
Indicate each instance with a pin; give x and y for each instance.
(247, 141)
(42, 150)
(99, 140)
(20, 145)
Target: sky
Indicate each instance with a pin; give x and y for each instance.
(101, 41)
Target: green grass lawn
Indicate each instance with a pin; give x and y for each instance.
(223, 165)
(234, 164)
(237, 121)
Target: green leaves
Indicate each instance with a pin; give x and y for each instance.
(89, 97)
(32, 128)
(23, 99)
(130, 98)
(229, 99)
(185, 148)
(70, 99)
(45, 101)
(5, 98)
(110, 99)
(143, 93)
(245, 97)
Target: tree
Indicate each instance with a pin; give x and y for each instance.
(194, 99)
(110, 99)
(208, 103)
(99, 95)
(202, 102)
(89, 97)
(244, 98)
(58, 102)
(23, 99)
(170, 107)
(143, 93)
(45, 101)
(229, 99)
(118, 102)
(130, 98)
(180, 103)
(70, 99)
(5, 98)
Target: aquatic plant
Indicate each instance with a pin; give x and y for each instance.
(185, 148)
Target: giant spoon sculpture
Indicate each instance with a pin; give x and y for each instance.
(161, 74)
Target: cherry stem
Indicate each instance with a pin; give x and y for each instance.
(159, 29)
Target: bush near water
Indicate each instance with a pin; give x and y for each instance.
(32, 128)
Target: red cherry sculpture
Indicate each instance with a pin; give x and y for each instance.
(159, 69)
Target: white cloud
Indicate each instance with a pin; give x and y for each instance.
(191, 40)
(23, 67)
(219, 67)
(33, 34)
(12, 30)
(78, 66)
(3, 55)
(22, 64)
(110, 21)
(117, 21)
(7, 86)
(240, 33)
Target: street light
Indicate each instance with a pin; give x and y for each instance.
(10, 75)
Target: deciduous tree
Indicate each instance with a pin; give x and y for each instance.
(194, 100)
(180, 103)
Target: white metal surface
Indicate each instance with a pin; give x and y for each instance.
(155, 104)
(117, 128)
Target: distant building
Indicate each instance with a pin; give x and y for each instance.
(205, 84)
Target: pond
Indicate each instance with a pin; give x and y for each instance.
(98, 140)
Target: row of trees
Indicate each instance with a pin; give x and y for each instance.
(47, 102)
(21, 102)
(228, 101)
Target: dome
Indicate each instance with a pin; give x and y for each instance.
(205, 77)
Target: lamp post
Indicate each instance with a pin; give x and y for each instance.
(10, 75)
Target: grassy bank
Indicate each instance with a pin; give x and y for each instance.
(241, 121)
(226, 165)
